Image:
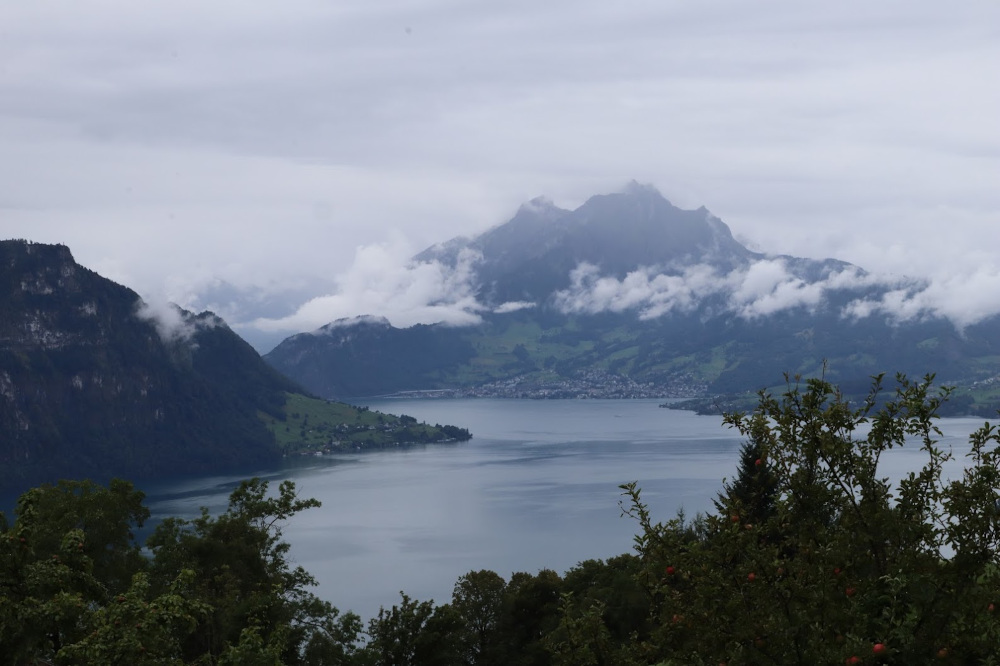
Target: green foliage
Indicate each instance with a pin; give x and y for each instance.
(73, 581)
(94, 522)
(837, 560)
(811, 556)
(136, 627)
(478, 598)
(215, 590)
(754, 492)
(258, 601)
(415, 633)
(604, 613)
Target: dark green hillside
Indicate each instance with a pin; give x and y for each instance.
(369, 357)
(550, 354)
(90, 388)
(92, 385)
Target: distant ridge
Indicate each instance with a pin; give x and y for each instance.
(628, 290)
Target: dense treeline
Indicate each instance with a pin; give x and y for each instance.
(810, 557)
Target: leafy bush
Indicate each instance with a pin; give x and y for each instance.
(813, 557)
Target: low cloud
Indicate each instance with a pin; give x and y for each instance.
(768, 286)
(964, 299)
(173, 324)
(652, 294)
(513, 306)
(383, 282)
(763, 288)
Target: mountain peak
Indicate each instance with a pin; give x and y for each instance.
(533, 254)
(635, 188)
(24, 255)
(538, 205)
(370, 321)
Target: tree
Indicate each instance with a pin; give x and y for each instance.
(74, 586)
(415, 633)
(77, 589)
(843, 565)
(478, 598)
(752, 495)
(530, 612)
(107, 519)
(258, 604)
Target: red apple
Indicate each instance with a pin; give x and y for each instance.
(758, 462)
(850, 591)
(878, 648)
(751, 577)
(850, 661)
(670, 571)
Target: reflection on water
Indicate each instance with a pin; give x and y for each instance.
(536, 488)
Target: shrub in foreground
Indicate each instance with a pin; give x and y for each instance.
(813, 556)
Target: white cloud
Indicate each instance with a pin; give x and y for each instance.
(651, 294)
(513, 306)
(175, 145)
(763, 288)
(383, 282)
(172, 323)
(964, 299)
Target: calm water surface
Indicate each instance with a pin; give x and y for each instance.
(536, 488)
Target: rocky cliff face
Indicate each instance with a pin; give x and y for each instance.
(93, 383)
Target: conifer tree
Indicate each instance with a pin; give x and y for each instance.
(752, 494)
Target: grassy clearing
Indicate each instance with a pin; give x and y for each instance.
(312, 425)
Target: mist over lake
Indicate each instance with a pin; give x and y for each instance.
(536, 488)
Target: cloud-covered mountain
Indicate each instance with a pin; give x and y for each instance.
(630, 285)
(635, 251)
(626, 252)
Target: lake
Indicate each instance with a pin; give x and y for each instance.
(536, 488)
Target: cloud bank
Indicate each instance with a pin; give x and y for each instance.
(260, 143)
(770, 286)
(383, 282)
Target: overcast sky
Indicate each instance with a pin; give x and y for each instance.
(293, 147)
